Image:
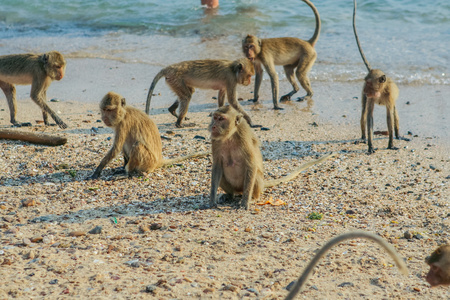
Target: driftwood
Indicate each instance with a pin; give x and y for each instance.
(35, 138)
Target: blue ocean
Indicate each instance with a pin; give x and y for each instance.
(408, 39)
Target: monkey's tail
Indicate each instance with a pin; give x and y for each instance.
(168, 162)
(315, 37)
(357, 39)
(350, 235)
(297, 171)
(158, 76)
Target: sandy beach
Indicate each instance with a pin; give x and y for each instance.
(156, 241)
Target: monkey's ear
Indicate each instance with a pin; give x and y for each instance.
(44, 58)
(238, 119)
(383, 78)
(240, 67)
(123, 101)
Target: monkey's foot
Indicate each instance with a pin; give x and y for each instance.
(278, 108)
(392, 148)
(253, 100)
(307, 97)
(119, 171)
(285, 98)
(371, 150)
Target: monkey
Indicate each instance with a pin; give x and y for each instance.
(291, 53)
(379, 89)
(37, 70)
(340, 238)
(439, 262)
(35, 138)
(222, 75)
(136, 135)
(237, 165)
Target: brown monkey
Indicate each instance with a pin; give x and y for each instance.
(136, 135)
(237, 161)
(379, 89)
(37, 70)
(289, 52)
(222, 75)
(32, 137)
(340, 238)
(439, 262)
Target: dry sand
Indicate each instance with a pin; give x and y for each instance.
(156, 241)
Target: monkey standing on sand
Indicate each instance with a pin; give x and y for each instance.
(291, 53)
(379, 89)
(237, 165)
(222, 75)
(37, 70)
(136, 135)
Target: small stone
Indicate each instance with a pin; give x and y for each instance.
(7, 262)
(155, 226)
(408, 235)
(54, 100)
(208, 290)
(418, 236)
(290, 285)
(96, 230)
(53, 281)
(265, 129)
(199, 137)
(28, 202)
(229, 287)
(36, 239)
(143, 229)
(344, 284)
(248, 229)
(151, 289)
(77, 233)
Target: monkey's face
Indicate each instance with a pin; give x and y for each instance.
(109, 114)
(374, 84)
(251, 47)
(246, 73)
(55, 65)
(219, 122)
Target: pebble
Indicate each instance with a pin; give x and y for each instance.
(28, 202)
(96, 230)
(155, 226)
(408, 235)
(344, 284)
(77, 233)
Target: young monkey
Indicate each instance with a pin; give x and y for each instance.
(293, 54)
(136, 135)
(439, 262)
(237, 161)
(377, 89)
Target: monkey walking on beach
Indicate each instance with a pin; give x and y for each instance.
(291, 53)
(237, 165)
(378, 89)
(136, 135)
(439, 262)
(222, 75)
(37, 70)
(340, 238)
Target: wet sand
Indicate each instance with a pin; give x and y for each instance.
(156, 240)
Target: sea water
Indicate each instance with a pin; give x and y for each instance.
(408, 39)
